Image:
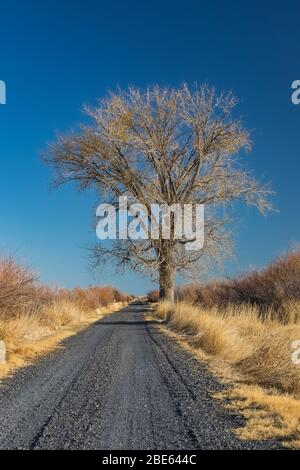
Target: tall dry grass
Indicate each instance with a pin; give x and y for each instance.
(275, 290)
(246, 328)
(251, 321)
(31, 313)
(258, 349)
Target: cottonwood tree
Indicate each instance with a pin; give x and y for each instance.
(163, 146)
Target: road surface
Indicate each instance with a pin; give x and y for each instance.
(119, 384)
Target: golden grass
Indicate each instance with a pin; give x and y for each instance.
(34, 318)
(268, 414)
(28, 337)
(252, 354)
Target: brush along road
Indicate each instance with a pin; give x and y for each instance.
(119, 384)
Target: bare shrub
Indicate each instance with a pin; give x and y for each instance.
(275, 290)
(94, 296)
(17, 289)
(153, 296)
(272, 287)
(30, 311)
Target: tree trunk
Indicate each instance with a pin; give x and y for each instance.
(166, 282)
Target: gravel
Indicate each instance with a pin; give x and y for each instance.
(119, 384)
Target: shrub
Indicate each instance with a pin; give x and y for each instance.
(31, 310)
(153, 296)
(274, 290)
(94, 296)
(17, 290)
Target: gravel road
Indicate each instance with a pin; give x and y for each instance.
(119, 384)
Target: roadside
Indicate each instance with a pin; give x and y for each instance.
(35, 318)
(27, 339)
(268, 412)
(119, 384)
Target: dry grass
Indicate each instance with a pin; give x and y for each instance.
(30, 336)
(268, 414)
(62, 313)
(254, 353)
(91, 297)
(244, 328)
(273, 290)
(35, 318)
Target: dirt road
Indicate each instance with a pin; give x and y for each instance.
(119, 384)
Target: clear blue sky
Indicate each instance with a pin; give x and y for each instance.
(56, 56)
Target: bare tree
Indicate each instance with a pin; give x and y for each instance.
(163, 146)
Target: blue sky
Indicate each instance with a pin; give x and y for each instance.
(55, 56)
